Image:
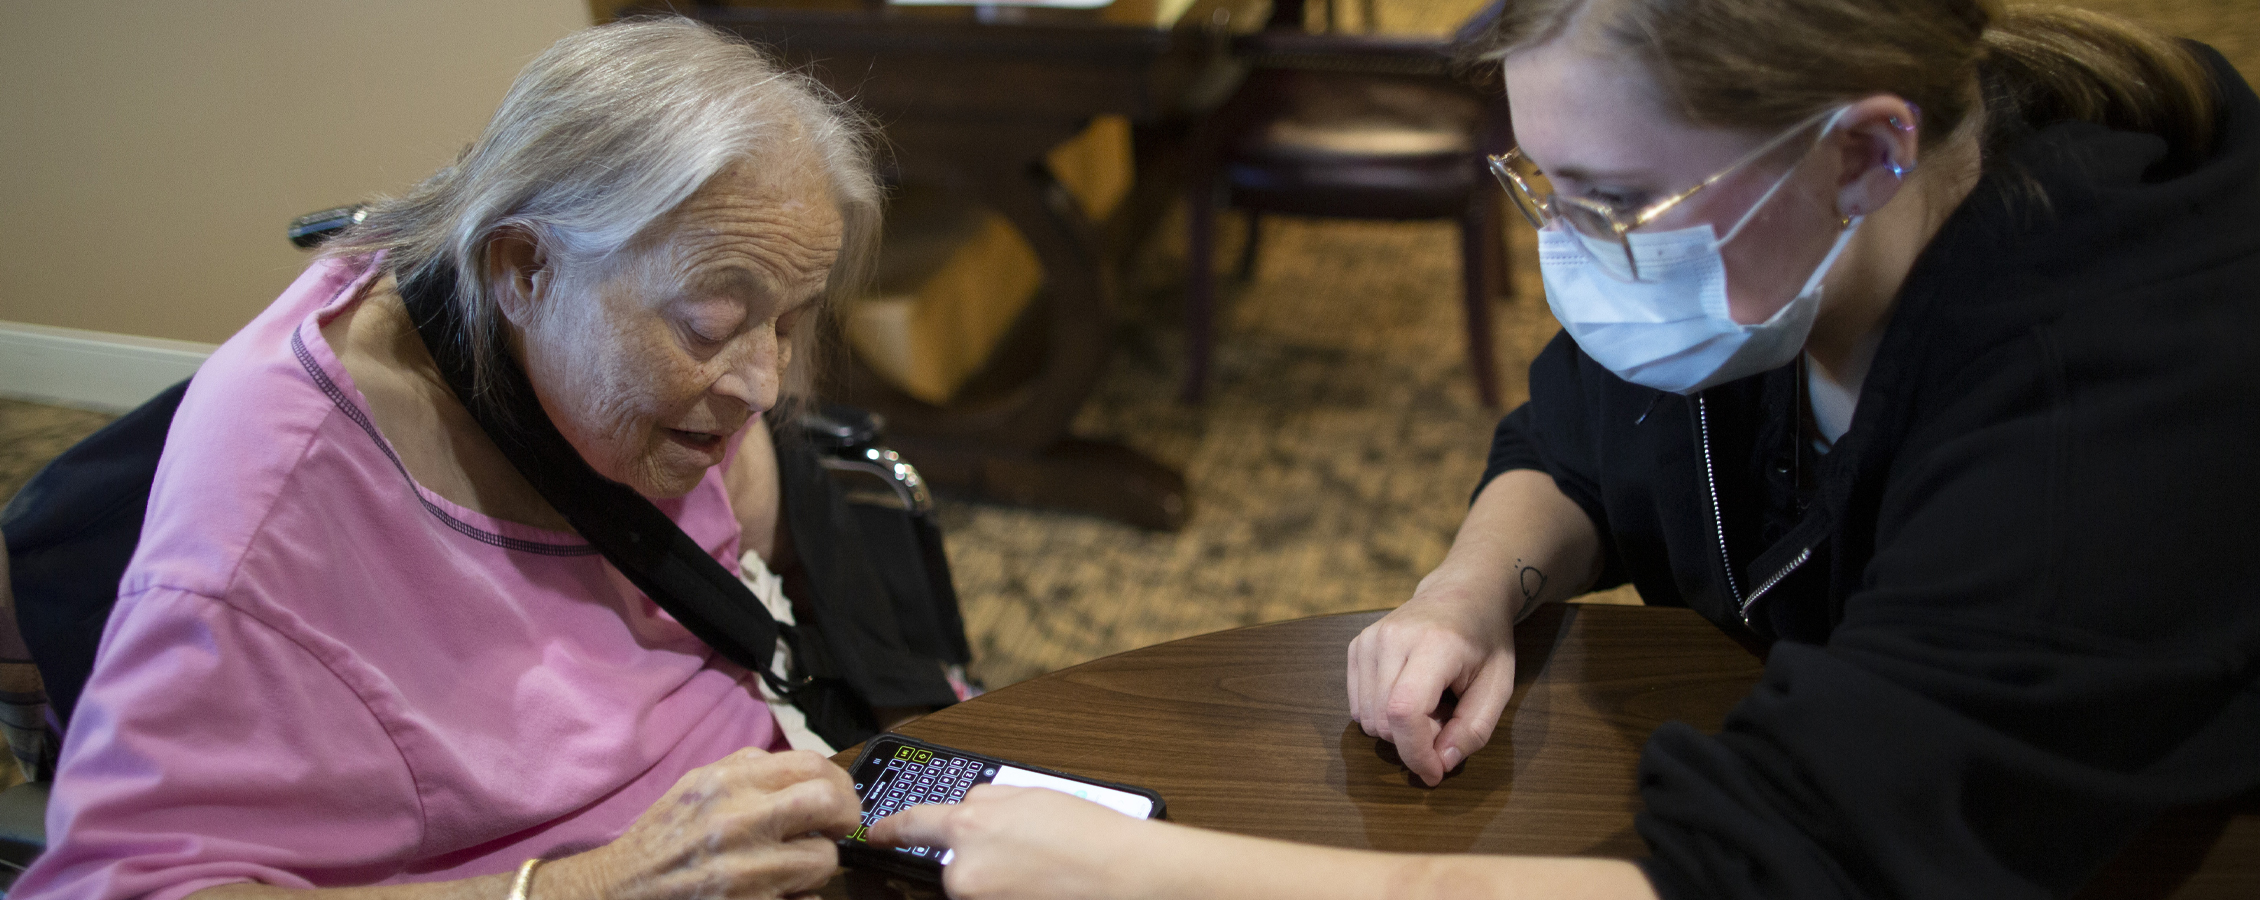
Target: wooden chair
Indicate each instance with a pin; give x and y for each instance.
(1351, 126)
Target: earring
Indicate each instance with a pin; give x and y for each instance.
(1897, 171)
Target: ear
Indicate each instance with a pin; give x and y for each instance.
(517, 274)
(1878, 138)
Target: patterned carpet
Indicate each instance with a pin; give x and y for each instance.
(1330, 465)
(31, 434)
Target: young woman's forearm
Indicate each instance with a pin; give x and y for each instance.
(1523, 543)
(1236, 867)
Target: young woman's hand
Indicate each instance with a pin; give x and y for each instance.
(1523, 543)
(1456, 634)
(1015, 842)
(1034, 844)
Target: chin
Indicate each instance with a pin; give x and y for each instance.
(648, 471)
(659, 480)
(669, 489)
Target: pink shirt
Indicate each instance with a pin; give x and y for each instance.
(321, 674)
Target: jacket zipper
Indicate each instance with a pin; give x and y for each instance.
(1718, 517)
(1768, 584)
(1718, 520)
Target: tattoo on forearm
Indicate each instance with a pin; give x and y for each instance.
(1533, 582)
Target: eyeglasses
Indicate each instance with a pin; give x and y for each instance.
(1534, 194)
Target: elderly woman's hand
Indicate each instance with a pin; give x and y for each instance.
(754, 825)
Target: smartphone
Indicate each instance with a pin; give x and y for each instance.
(896, 772)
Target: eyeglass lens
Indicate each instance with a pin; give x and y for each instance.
(1533, 194)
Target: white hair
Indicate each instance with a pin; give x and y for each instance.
(601, 137)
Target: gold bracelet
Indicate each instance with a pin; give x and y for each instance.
(525, 879)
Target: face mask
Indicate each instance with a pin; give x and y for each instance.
(1671, 331)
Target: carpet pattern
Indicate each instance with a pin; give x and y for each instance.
(1340, 441)
(31, 434)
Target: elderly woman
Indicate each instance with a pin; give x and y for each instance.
(358, 648)
(1912, 338)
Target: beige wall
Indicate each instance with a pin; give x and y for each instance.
(151, 153)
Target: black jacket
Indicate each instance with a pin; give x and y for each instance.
(2017, 613)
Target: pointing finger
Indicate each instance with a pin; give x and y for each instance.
(919, 826)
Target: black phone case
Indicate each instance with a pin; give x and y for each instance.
(886, 859)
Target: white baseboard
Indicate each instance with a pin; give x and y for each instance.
(91, 369)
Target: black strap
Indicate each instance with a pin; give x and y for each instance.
(645, 545)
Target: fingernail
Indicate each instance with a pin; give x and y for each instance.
(1451, 758)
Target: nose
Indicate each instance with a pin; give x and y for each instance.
(754, 370)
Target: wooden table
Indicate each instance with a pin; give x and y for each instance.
(1247, 731)
(971, 102)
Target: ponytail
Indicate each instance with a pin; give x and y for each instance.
(2051, 64)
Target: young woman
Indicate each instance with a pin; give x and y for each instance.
(1911, 338)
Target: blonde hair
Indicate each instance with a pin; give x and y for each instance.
(598, 140)
(1766, 64)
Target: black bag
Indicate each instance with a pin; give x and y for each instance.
(70, 532)
(872, 590)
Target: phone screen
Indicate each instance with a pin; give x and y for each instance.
(894, 775)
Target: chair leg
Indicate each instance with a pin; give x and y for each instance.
(1248, 251)
(1479, 230)
(1200, 283)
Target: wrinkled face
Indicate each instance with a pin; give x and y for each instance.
(651, 365)
(1596, 123)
